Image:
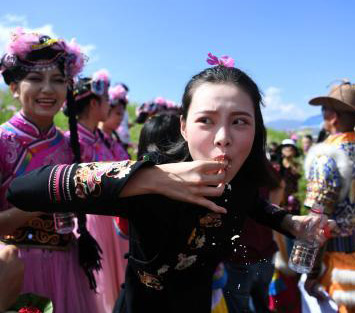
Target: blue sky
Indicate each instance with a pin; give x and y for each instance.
(292, 49)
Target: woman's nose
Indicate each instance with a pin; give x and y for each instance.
(47, 86)
(222, 137)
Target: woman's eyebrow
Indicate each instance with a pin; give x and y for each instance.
(238, 112)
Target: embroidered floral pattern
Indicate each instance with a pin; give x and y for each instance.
(185, 261)
(150, 280)
(196, 241)
(12, 146)
(323, 183)
(38, 231)
(211, 220)
(89, 175)
(345, 218)
(163, 269)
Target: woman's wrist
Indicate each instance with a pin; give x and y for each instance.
(142, 182)
(290, 224)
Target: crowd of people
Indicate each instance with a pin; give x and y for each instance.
(203, 219)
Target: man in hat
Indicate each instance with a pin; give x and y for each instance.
(330, 173)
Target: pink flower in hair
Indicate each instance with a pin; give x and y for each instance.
(102, 75)
(21, 42)
(117, 92)
(160, 101)
(223, 60)
(73, 49)
(294, 137)
(170, 104)
(100, 82)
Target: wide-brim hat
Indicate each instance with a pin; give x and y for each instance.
(341, 98)
(288, 143)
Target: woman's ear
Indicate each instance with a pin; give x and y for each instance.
(14, 90)
(183, 127)
(93, 103)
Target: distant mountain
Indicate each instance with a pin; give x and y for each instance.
(285, 124)
(313, 121)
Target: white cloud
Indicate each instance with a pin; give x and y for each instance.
(277, 108)
(9, 22)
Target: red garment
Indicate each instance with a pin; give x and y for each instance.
(288, 300)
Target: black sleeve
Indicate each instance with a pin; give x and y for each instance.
(268, 215)
(90, 188)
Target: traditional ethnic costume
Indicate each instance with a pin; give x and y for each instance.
(175, 247)
(51, 260)
(110, 278)
(330, 170)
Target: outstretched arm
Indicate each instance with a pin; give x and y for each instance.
(101, 188)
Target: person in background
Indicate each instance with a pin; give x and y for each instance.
(91, 95)
(307, 142)
(125, 125)
(250, 272)
(39, 71)
(118, 102)
(283, 291)
(330, 174)
(290, 173)
(272, 154)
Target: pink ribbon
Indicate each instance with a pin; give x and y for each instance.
(223, 60)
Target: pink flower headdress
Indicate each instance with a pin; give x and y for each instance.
(160, 101)
(98, 85)
(36, 52)
(100, 82)
(158, 105)
(118, 94)
(223, 60)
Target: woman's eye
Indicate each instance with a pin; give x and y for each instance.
(60, 80)
(34, 78)
(239, 121)
(204, 120)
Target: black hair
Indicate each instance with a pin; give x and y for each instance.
(89, 249)
(159, 133)
(322, 135)
(255, 166)
(308, 137)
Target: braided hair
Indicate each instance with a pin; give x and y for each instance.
(89, 250)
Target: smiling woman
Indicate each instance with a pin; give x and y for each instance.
(39, 71)
(41, 94)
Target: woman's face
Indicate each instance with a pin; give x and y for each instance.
(220, 124)
(288, 151)
(115, 117)
(99, 108)
(306, 144)
(41, 95)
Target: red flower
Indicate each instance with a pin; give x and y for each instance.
(29, 309)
